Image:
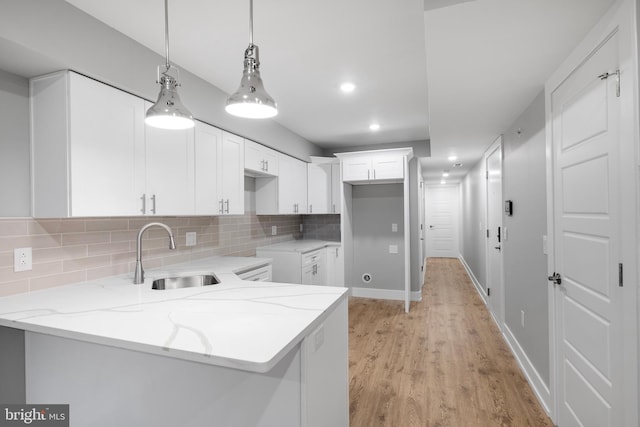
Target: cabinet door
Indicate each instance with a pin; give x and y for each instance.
(259, 160)
(336, 187)
(292, 185)
(231, 174)
(170, 177)
(106, 150)
(319, 188)
(356, 169)
(208, 140)
(271, 161)
(388, 167)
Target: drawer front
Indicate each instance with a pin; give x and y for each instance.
(312, 257)
(261, 274)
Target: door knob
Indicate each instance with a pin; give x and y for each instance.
(498, 248)
(555, 278)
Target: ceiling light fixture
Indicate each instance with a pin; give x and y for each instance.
(374, 126)
(251, 100)
(168, 112)
(347, 87)
(443, 182)
(445, 174)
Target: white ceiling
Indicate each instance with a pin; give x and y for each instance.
(483, 61)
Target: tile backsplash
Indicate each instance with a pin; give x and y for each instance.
(321, 227)
(74, 250)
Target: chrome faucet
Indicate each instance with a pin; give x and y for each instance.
(138, 276)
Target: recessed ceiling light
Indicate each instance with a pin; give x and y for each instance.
(452, 158)
(443, 182)
(445, 174)
(374, 126)
(347, 87)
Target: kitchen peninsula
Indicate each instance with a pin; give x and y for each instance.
(239, 353)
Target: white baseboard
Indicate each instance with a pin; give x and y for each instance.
(475, 281)
(390, 294)
(540, 389)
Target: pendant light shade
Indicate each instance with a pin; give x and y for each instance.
(168, 112)
(251, 100)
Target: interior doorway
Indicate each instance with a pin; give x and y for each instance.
(442, 220)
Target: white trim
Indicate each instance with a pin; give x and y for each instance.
(476, 283)
(540, 389)
(388, 294)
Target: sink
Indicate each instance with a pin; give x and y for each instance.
(185, 282)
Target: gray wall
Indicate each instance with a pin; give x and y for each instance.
(15, 180)
(525, 264)
(474, 222)
(375, 208)
(48, 35)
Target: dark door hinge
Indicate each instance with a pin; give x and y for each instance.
(488, 292)
(620, 275)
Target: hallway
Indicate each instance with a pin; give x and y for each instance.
(443, 364)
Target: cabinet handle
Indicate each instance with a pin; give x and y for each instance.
(267, 167)
(144, 204)
(334, 208)
(368, 174)
(227, 208)
(153, 204)
(310, 208)
(336, 252)
(262, 166)
(295, 208)
(374, 174)
(221, 206)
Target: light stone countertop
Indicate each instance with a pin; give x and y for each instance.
(237, 324)
(301, 246)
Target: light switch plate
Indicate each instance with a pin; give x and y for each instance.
(191, 238)
(393, 249)
(394, 228)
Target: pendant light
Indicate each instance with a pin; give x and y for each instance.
(251, 100)
(168, 112)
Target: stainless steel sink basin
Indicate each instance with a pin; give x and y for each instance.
(185, 282)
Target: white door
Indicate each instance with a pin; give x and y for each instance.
(442, 221)
(495, 292)
(586, 224)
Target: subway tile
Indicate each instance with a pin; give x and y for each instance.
(108, 248)
(107, 271)
(69, 239)
(45, 282)
(12, 288)
(107, 224)
(38, 241)
(60, 253)
(86, 263)
(14, 228)
(55, 226)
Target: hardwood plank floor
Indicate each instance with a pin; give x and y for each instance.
(443, 364)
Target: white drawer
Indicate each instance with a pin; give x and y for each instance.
(313, 257)
(260, 274)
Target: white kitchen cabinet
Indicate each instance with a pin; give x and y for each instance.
(313, 268)
(87, 148)
(334, 265)
(260, 274)
(259, 160)
(208, 146)
(373, 168)
(285, 194)
(231, 175)
(323, 188)
(169, 166)
(93, 155)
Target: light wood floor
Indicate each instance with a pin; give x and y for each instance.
(444, 364)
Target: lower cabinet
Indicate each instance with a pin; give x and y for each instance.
(334, 261)
(314, 268)
(260, 274)
(294, 266)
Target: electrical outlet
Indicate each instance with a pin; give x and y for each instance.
(274, 230)
(394, 228)
(301, 228)
(22, 259)
(191, 238)
(393, 249)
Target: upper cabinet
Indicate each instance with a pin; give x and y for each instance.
(88, 154)
(373, 167)
(92, 155)
(231, 175)
(285, 194)
(323, 184)
(259, 160)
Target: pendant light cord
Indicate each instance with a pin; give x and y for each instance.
(250, 22)
(166, 35)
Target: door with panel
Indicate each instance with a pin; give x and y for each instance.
(587, 242)
(495, 286)
(441, 211)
